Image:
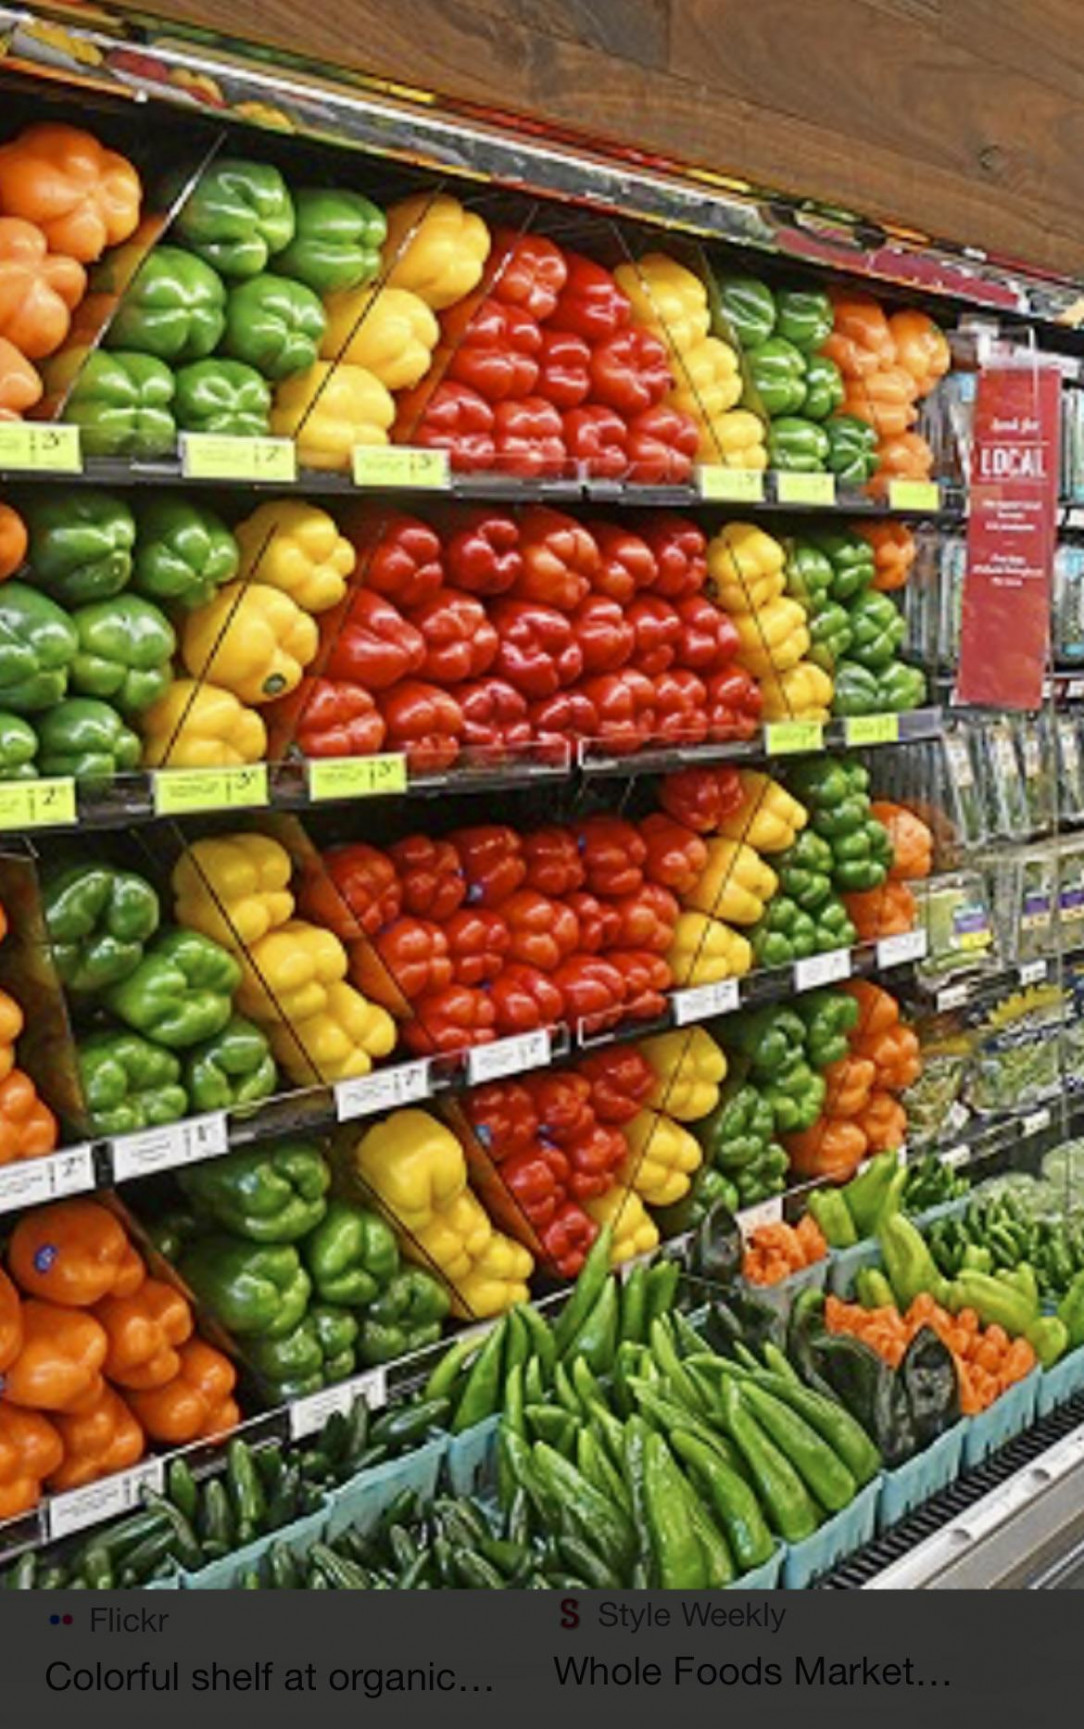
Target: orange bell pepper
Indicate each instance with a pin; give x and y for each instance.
(895, 1054)
(3, 923)
(912, 842)
(921, 346)
(11, 1322)
(861, 342)
(885, 400)
(848, 1081)
(13, 542)
(894, 550)
(878, 1010)
(11, 1025)
(59, 1365)
(28, 1127)
(30, 1449)
(144, 1331)
(196, 1404)
(82, 196)
(20, 385)
(103, 1439)
(39, 289)
(906, 456)
(883, 1122)
(75, 1253)
(887, 911)
(832, 1147)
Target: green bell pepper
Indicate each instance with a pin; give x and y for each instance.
(336, 1332)
(738, 1129)
(857, 690)
(37, 646)
(18, 748)
(351, 1255)
(337, 240)
(823, 388)
(877, 629)
(98, 918)
(406, 1316)
(804, 316)
(712, 1189)
(796, 1097)
(258, 1289)
(797, 445)
(175, 307)
(828, 1017)
(292, 1366)
(851, 558)
(238, 215)
(902, 687)
(122, 402)
(750, 309)
(772, 1038)
(830, 634)
(234, 1068)
(763, 1176)
(269, 1194)
(805, 870)
(808, 573)
(786, 933)
(125, 647)
(222, 396)
(856, 864)
(80, 544)
(87, 739)
(274, 325)
(852, 449)
(777, 371)
(184, 552)
(128, 1084)
(180, 993)
(832, 927)
(824, 783)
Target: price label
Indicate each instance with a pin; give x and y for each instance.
(508, 1057)
(386, 1090)
(862, 729)
(43, 449)
(797, 488)
(178, 791)
(719, 485)
(953, 1157)
(308, 1415)
(769, 1212)
(160, 1149)
(122, 1493)
(24, 1184)
(906, 946)
(952, 997)
(787, 737)
(1032, 972)
(914, 495)
(401, 465)
(702, 1002)
(357, 776)
(37, 803)
(1035, 1122)
(228, 456)
(823, 969)
(1074, 690)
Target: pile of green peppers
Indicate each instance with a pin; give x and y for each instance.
(856, 631)
(998, 1231)
(835, 791)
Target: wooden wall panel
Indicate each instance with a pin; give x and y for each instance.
(961, 117)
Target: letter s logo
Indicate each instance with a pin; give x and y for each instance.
(570, 1612)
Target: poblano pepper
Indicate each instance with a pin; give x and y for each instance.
(270, 1194)
(351, 1255)
(274, 324)
(80, 544)
(98, 918)
(251, 1288)
(38, 643)
(238, 216)
(180, 993)
(184, 553)
(174, 307)
(86, 739)
(223, 396)
(406, 1315)
(123, 654)
(122, 404)
(337, 240)
(128, 1083)
(233, 1068)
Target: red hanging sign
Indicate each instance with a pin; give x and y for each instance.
(1011, 537)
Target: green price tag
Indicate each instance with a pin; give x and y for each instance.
(401, 465)
(786, 737)
(357, 776)
(37, 803)
(872, 729)
(721, 485)
(914, 495)
(227, 456)
(797, 488)
(179, 791)
(44, 449)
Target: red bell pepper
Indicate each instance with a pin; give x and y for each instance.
(324, 717)
(627, 562)
(597, 438)
(560, 558)
(562, 1103)
(478, 942)
(593, 989)
(374, 645)
(630, 371)
(431, 874)
(734, 704)
(647, 979)
(567, 1239)
(528, 439)
(425, 722)
(406, 960)
(449, 417)
(604, 633)
(527, 270)
(543, 930)
(491, 855)
(564, 376)
(681, 707)
(482, 556)
(553, 861)
(591, 304)
(595, 1156)
(450, 1020)
(647, 918)
(398, 556)
(620, 1079)
(663, 445)
(708, 640)
(657, 630)
(536, 1181)
(676, 856)
(495, 723)
(353, 890)
(503, 1118)
(524, 998)
(625, 704)
(557, 721)
(613, 855)
(538, 650)
(495, 352)
(459, 641)
(680, 553)
(599, 923)
(701, 798)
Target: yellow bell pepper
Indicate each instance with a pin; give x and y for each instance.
(803, 692)
(338, 1044)
(435, 248)
(296, 547)
(455, 1237)
(328, 410)
(389, 331)
(234, 888)
(773, 638)
(734, 885)
(200, 726)
(768, 818)
(414, 1164)
(661, 1159)
(689, 1068)
(746, 568)
(667, 298)
(288, 972)
(635, 1233)
(250, 639)
(704, 950)
(736, 439)
(709, 381)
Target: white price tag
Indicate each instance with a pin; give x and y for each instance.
(952, 997)
(182, 1143)
(1032, 972)
(702, 1002)
(1074, 690)
(824, 969)
(29, 1182)
(508, 1057)
(769, 1212)
(72, 1171)
(906, 946)
(206, 1137)
(307, 1416)
(955, 1156)
(82, 1507)
(1035, 1122)
(150, 1474)
(386, 1090)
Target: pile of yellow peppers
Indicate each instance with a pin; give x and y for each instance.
(746, 568)
(663, 1156)
(634, 1230)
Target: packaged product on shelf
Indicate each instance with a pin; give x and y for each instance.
(1069, 763)
(1068, 619)
(1035, 751)
(1003, 778)
(1017, 1054)
(1070, 856)
(959, 926)
(960, 795)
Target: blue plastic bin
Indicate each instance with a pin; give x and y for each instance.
(1013, 1411)
(838, 1537)
(763, 1578)
(843, 1264)
(361, 1501)
(471, 1459)
(1061, 1382)
(906, 1487)
(224, 1575)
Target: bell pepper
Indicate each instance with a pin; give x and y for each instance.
(414, 1164)
(180, 992)
(406, 1316)
(561, 1100)
(478, 944)
(681, 707)
(82, 196)
(824, 392)
(288, 972)
(704, 950)
(494, 348)
(252, 1288)
(59, 1360)
(564, 376)
(804, 317)
(336, 241)
(233, 888)
(852, 449)
(745, 569)
(335, 1044)
(423, 721)
(128, 1083)
(124, 647)
(834, 929)
(536, 1179)
(645, 919)
(877, 629)
(739, 1128)
(634, 1231)
(273, 325)
(623, 705)
(526, 270)
(613, 855)
(351, 1255)
(39, 289)
(768, 817)
(435, 247)
(292, 1367)
(852, 561)
(538, 651)
(708, 639)
(667, 298)
(662, 446)
(144, 1331)
(626, 562)
(830, 635)
(492, 862)
(709, 384)
(374, 645)
(226, 396)
(482, 555)
(21, 387)
(183, 554)
(267, 1194)
(38, 643)
(894, 552)
(18, 748)
(777, 372)
(921, 347)
(398, 556)
(593, 1157)
(861, 342)
(657, 633)
(324, 717)
(238, 216)
(735, 885)
(630, 371)
(495, 722)
(234, 1068)
(734, 704)
(689, 1068)
(557, 720)
(98, 918)
(502, 1118)
(449, 417)
(86, 739)
(596, 439)
(459, 642)
(680, 553)
(30, 1450)
(829, 1147)
(606, 635)
(101, 1437)
(797, 444)
(13, 541)
(591, 304)
(676, 856)
(431, 874)
(774, 638)
(297, 548)
(662, 1157)
(750, 309)
(542, 931)
(450, 1020)
(884, 402)
(80, 546)
(175, 308)
(353, 891)
(621, 1079)
(849, 1080)
(388, 332)
(857, 690)
(805, 871)
(528, 438)
(523, 998)
(404, 961)
(329, 409)
(699, 799)
(196, 1405)
(72, 1253)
